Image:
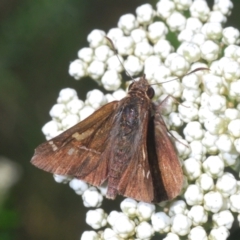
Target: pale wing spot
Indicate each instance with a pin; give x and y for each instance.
(89, 149)
(143, 173)
(71, 151)
(143, 153)
(148, 174)
(83, 135)
(54, 147)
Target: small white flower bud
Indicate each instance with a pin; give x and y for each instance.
(109, 234)
(213, 201)
(214, 166)
(215, 125)
(95, 98)
(185, 35)
(102, 53)
(96, 218)
(188, 111)
(212, 30)
(144, 230)
(194, 24)
(234, 89)
(115, 33)
(198, 38)
(85, 112)
(232, 114)
(129, 207)
(145, 14)
(198, 151)
(220, 233)
(171, 236)
(51, 129)
(193, 131)
(124, 227)
(209, 50)
(145, 210)
(223, 218)
(96, 38)
(224, 143)
(161, 73)
(133, 65)
(193, 195)
(224, 6)
(200, 9)
(62, 179)
(177, 64)
(205, 182)
(192, 168)
(96, 69)
(58, 111)
(191, 81)
(114, 63)
(226, 184)
(176, 21)
(175, 120)
(212, 83)
(197, 233)
(217, 16)
(234, 128)
(198, 215)
(92, 198)
(163, 48)
(160, 222)
(78, 186)
(235, 202)
(182, 5)
(90, 235)
(139, 35)
(77, 69)
(173, 88)
(230, 35)
(156, 31)
(165, 8)
(181, 224)
(231, 70)
(66, 95)
(86, 54)
(111, 80)
(143, 50)
(208, 142)
(217, 103)
(190, 51)
(127, 23)
(70, 120)
(74, 106)
(176, 207)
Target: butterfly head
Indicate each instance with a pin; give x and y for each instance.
(142, 86)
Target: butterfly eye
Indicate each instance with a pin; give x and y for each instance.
(150, 92)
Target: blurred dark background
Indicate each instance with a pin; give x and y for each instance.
(38, 39)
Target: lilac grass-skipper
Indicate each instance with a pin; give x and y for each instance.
(125, 143)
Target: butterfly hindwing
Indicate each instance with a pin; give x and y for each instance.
(169, 168)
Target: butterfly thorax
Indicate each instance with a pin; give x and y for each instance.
(125, 134)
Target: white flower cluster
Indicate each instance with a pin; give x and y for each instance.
(208, 114)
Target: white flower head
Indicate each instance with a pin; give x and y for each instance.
(165, 42)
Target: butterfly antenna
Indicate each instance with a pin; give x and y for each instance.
(116, 53)
(193, 71)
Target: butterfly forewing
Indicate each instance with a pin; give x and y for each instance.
(169, 166)
(78, 150)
